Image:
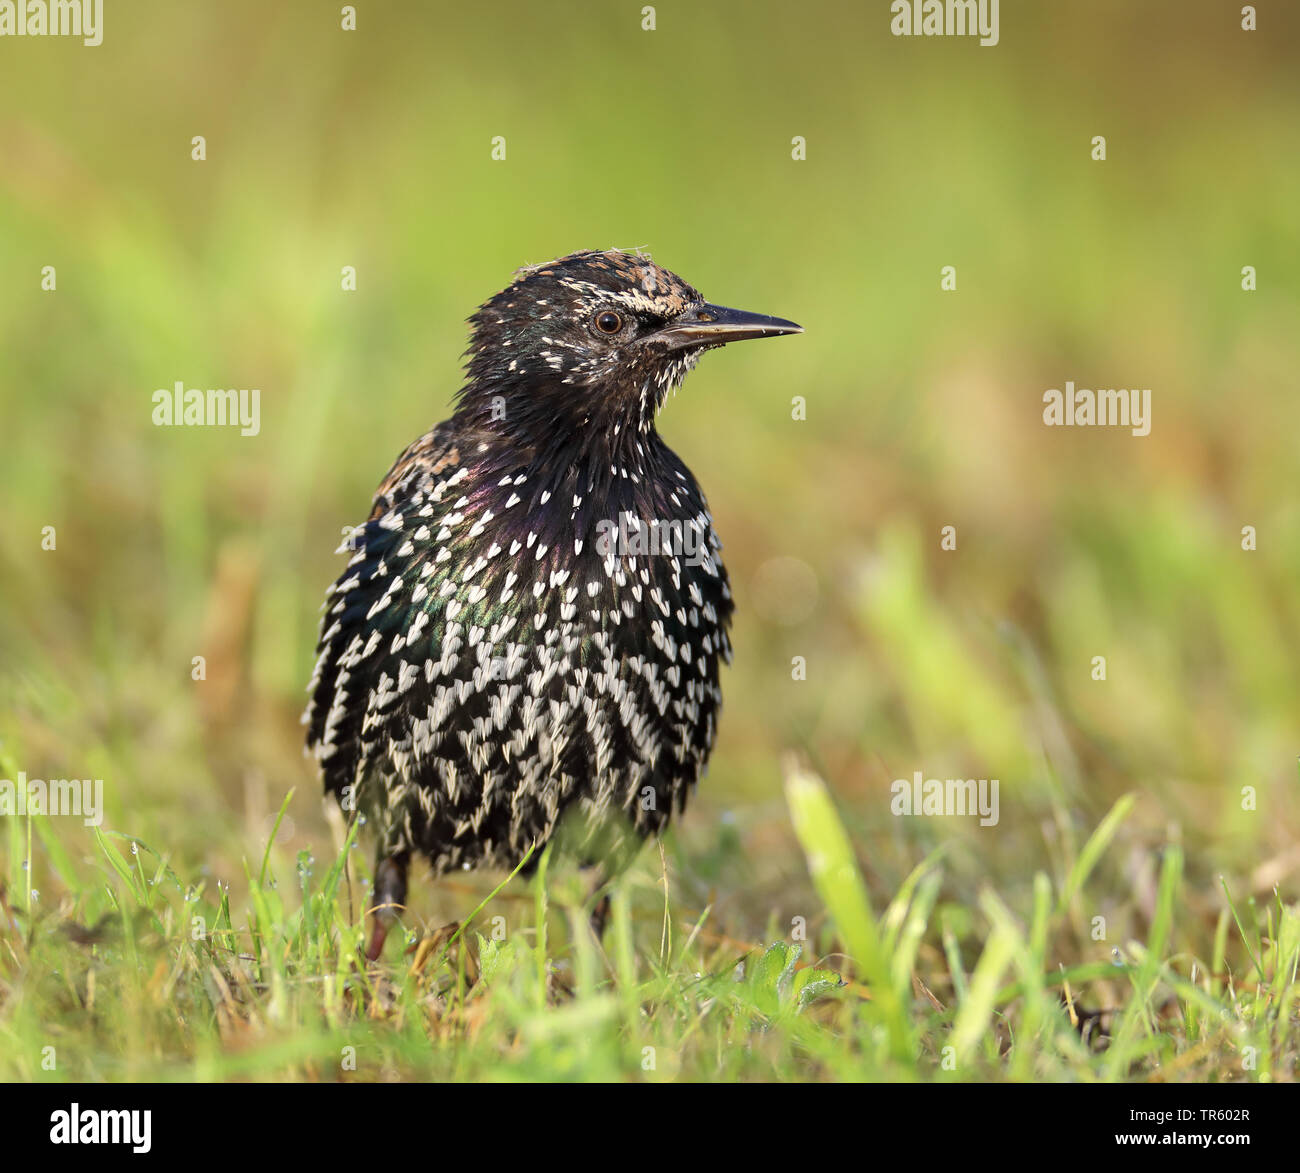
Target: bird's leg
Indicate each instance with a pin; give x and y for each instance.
(390, 897)
(600, 913)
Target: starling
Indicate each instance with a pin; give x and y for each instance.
(531, 624)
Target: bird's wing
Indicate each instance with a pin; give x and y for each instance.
(367, 612)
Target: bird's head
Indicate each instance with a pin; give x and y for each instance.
(591, 344)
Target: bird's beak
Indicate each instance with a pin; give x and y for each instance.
(712, 325)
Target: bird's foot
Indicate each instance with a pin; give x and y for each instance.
(390, 899)
(430, 943)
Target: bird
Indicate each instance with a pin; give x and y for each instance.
(528, 634)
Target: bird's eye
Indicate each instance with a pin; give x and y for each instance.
(608, 322)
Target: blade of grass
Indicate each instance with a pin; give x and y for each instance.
(835, 875)
(1093, 849)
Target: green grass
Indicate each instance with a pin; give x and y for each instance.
(148, 974)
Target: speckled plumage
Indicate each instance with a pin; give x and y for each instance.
(489, 663)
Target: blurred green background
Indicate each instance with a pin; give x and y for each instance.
(373, 149)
